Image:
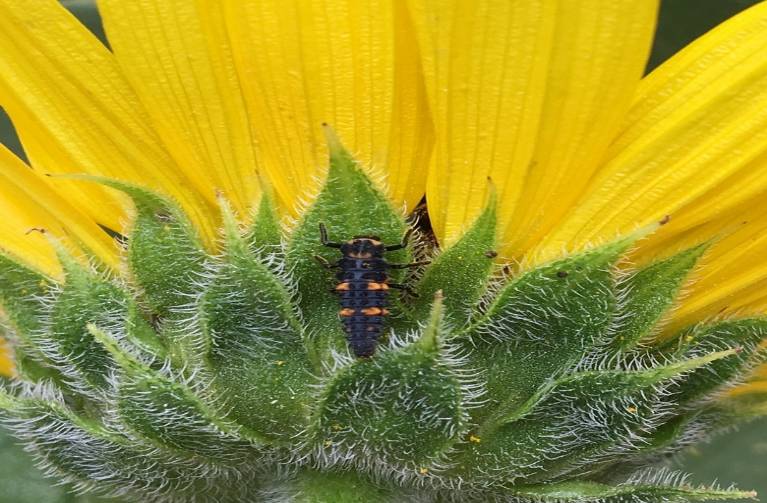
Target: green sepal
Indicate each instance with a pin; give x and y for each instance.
(21, 294)
(95, 457)
(256, 353)
(349, 204)
(462, 271)
(745, 335)
(648, 293)
(265, 234)
(401, 409)
(541, 324)
(167, 412)
(584, 491)
(573, 416)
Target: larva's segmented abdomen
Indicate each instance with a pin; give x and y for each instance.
(363, 293)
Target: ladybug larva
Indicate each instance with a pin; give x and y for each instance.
(363, 287)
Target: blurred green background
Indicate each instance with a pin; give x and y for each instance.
(738, 457)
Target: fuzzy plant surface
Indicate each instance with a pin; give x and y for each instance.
(196, 376)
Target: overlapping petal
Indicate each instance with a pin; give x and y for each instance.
(177, 56)
(528, 94)
(353, 65)
(75, 112)
(30, 202)
(693, 144)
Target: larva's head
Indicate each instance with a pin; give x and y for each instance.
(363, 247)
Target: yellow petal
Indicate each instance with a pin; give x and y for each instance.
(177, 57)
(75, 112)
(348, 63)
(529, 94)
(731, 279)
(28, 201)
(6, 364)
(698, 123)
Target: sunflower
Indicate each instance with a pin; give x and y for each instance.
(572, 253)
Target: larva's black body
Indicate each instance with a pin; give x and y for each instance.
(363, 288)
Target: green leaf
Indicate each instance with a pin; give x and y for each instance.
(648, 293)
(573, 416)
(401, 409)
(261, 368)
(541, 324)
(462, 271)
(349, 204)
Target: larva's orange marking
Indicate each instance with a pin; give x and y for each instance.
(346, 312)
(375, 311)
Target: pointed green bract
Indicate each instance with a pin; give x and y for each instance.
(256, 353)
(638, 492)
(162, 245)
(648, 293)
(571, 417)
(90, 455)
(543, 323)
(403, 407)
(462, 271)
(225, 376)
(743, 335)
(168, 413)
(22, 291)
(266, 231)
(349, 204)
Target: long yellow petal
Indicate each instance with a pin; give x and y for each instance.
(348, 63)
(732, 277)
(29, 201)
(698, 123)
(75, 112)
(176, 55)
(528, 94)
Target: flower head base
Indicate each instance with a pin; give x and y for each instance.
(195, 377)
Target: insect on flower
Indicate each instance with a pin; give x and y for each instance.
(363, 286)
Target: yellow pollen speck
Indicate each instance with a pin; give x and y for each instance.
(689, 338)
(632, 409)
(166, 228)
(336, 427)
(279, 363)
(24, 291)
(42, 284)
(475, 439)
(327, 443)
(423, 471)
